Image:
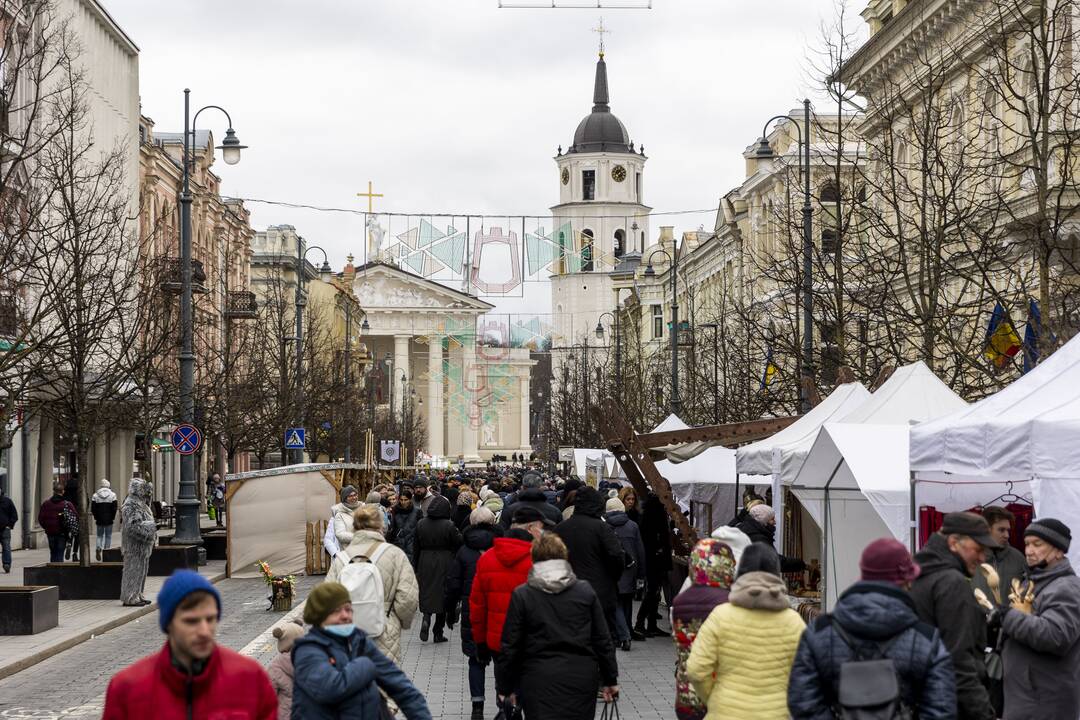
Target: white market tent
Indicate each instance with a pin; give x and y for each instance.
(602, 460)
(1027, 434)
(782, 455)
(854, 481)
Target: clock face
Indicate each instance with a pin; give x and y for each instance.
(618, 173)
(565, 176)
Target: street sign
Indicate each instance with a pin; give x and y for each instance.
(294, 439)
(390, 451)
(186, 439)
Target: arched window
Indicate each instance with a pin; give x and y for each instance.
(586, 250)
(620, 243)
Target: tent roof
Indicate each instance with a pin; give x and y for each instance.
(758, 458)
(912, 393)
(671, 422)
(1030, 429)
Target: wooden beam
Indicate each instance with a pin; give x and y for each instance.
(727, 435)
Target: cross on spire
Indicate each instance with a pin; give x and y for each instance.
(370, 195)
(601, 31)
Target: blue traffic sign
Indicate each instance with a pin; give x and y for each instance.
(294, 439)
(186, 439)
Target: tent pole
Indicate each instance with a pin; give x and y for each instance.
(914, 517)
(824, 540)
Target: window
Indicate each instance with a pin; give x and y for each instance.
(620, 242)
(588, 184)
(637, 187)
(657, 321)
(830, 218)
(828, 243)
(586, 250)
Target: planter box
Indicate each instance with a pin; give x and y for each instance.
(214, 542)
(28, 610)
(164, 560)
(99, 581)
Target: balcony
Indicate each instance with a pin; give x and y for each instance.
(241, 305)
(169, 276)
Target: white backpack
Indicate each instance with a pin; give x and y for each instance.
(361, 577)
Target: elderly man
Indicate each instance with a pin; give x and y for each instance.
(1042, 629)
(944, 598)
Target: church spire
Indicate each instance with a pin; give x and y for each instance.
(600, 88)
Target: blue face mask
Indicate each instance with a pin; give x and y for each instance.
(340, 630)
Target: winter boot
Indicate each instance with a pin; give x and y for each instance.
(477, 711)
(425, 628)
(98, 553)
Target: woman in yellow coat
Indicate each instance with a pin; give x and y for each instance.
(742, 656)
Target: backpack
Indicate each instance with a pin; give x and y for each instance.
(869, 687)
(69, 519)
(361, 577)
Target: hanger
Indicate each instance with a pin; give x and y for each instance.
(1008, 496)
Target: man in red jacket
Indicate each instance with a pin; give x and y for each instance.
(498, 571)
(192, 677)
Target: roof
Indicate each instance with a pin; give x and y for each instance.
(202, 138)
(473, 299)
(600, 130)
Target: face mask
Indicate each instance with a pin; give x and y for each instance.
(340, 630)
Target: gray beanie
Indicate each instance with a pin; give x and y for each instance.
(347, 491)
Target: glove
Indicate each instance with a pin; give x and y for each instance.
(1019, 600)
(992, 580)
(483, 655)
(984, 602)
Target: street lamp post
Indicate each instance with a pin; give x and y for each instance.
(301, 302)
(673, 258)
(764, 151)
(187, 502)
(618, 343)
(715, 369)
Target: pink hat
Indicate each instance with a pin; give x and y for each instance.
(887, 560)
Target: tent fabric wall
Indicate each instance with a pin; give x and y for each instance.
(268, 518)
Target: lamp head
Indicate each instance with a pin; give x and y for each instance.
(599, 330)
(364, 326)
(230, 147)
(324, 269)
(649, 272)
(764, 151)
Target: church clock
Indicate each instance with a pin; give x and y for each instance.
(618, 173)
(565, 176)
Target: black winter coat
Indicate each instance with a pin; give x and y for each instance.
(556, 649)
(944, 598)
(657, 539)
(436, 542)
(104, 512)
(595, 551)
(460, 517)
(630, 537)
(532, 497)
(8, 514)
(476, 539)
(402, 530)
(872, 613)
(767, 534)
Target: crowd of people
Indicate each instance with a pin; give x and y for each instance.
(540, 576)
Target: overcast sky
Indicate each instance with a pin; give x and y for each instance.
(458, 105)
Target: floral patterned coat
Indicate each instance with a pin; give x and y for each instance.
(712, 570)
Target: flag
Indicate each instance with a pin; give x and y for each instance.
(1002, 342)
(1031, 336)
(769, 375)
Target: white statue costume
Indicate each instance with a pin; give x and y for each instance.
(139, 535)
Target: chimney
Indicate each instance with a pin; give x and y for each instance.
(349, 273)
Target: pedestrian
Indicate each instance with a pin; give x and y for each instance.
(375, 498)
(422, 494)
(219, 500)
(1042, 630)
(476, 539)
(741, 658)
(711, 572)
(281, 668)
(556, 643)
(570, 491)
(404, 517)
(943, 598)
(338, 671)
(341, 515)
(629, 499)
(656, 535)
(633, 574)
(759, 524)
(103, 506)
(531, 496)
(8, 517)
(874, 619)
(192, 676)
(51, 519)
(491, 500)
(462, 510)
(401, 593)
(596, 554)
(138, 535)
(498, 572)
(437, 540)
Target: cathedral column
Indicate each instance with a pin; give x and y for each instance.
(434, 404)
(401, 369)
(523, 401)
(471, 430)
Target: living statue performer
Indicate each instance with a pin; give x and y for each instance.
(139, 534)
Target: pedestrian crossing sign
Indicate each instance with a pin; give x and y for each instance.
(294, 439)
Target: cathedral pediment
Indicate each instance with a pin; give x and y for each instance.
(389, 288)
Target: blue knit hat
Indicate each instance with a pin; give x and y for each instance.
(179, 585)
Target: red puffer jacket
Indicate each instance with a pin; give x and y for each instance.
(498, 571)
(232, 687)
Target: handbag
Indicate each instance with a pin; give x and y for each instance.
(611, 710)
(509, 711)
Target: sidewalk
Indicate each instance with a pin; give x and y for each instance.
(79, 620)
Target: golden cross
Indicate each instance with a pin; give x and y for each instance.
(370, 195)
(601, 31)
